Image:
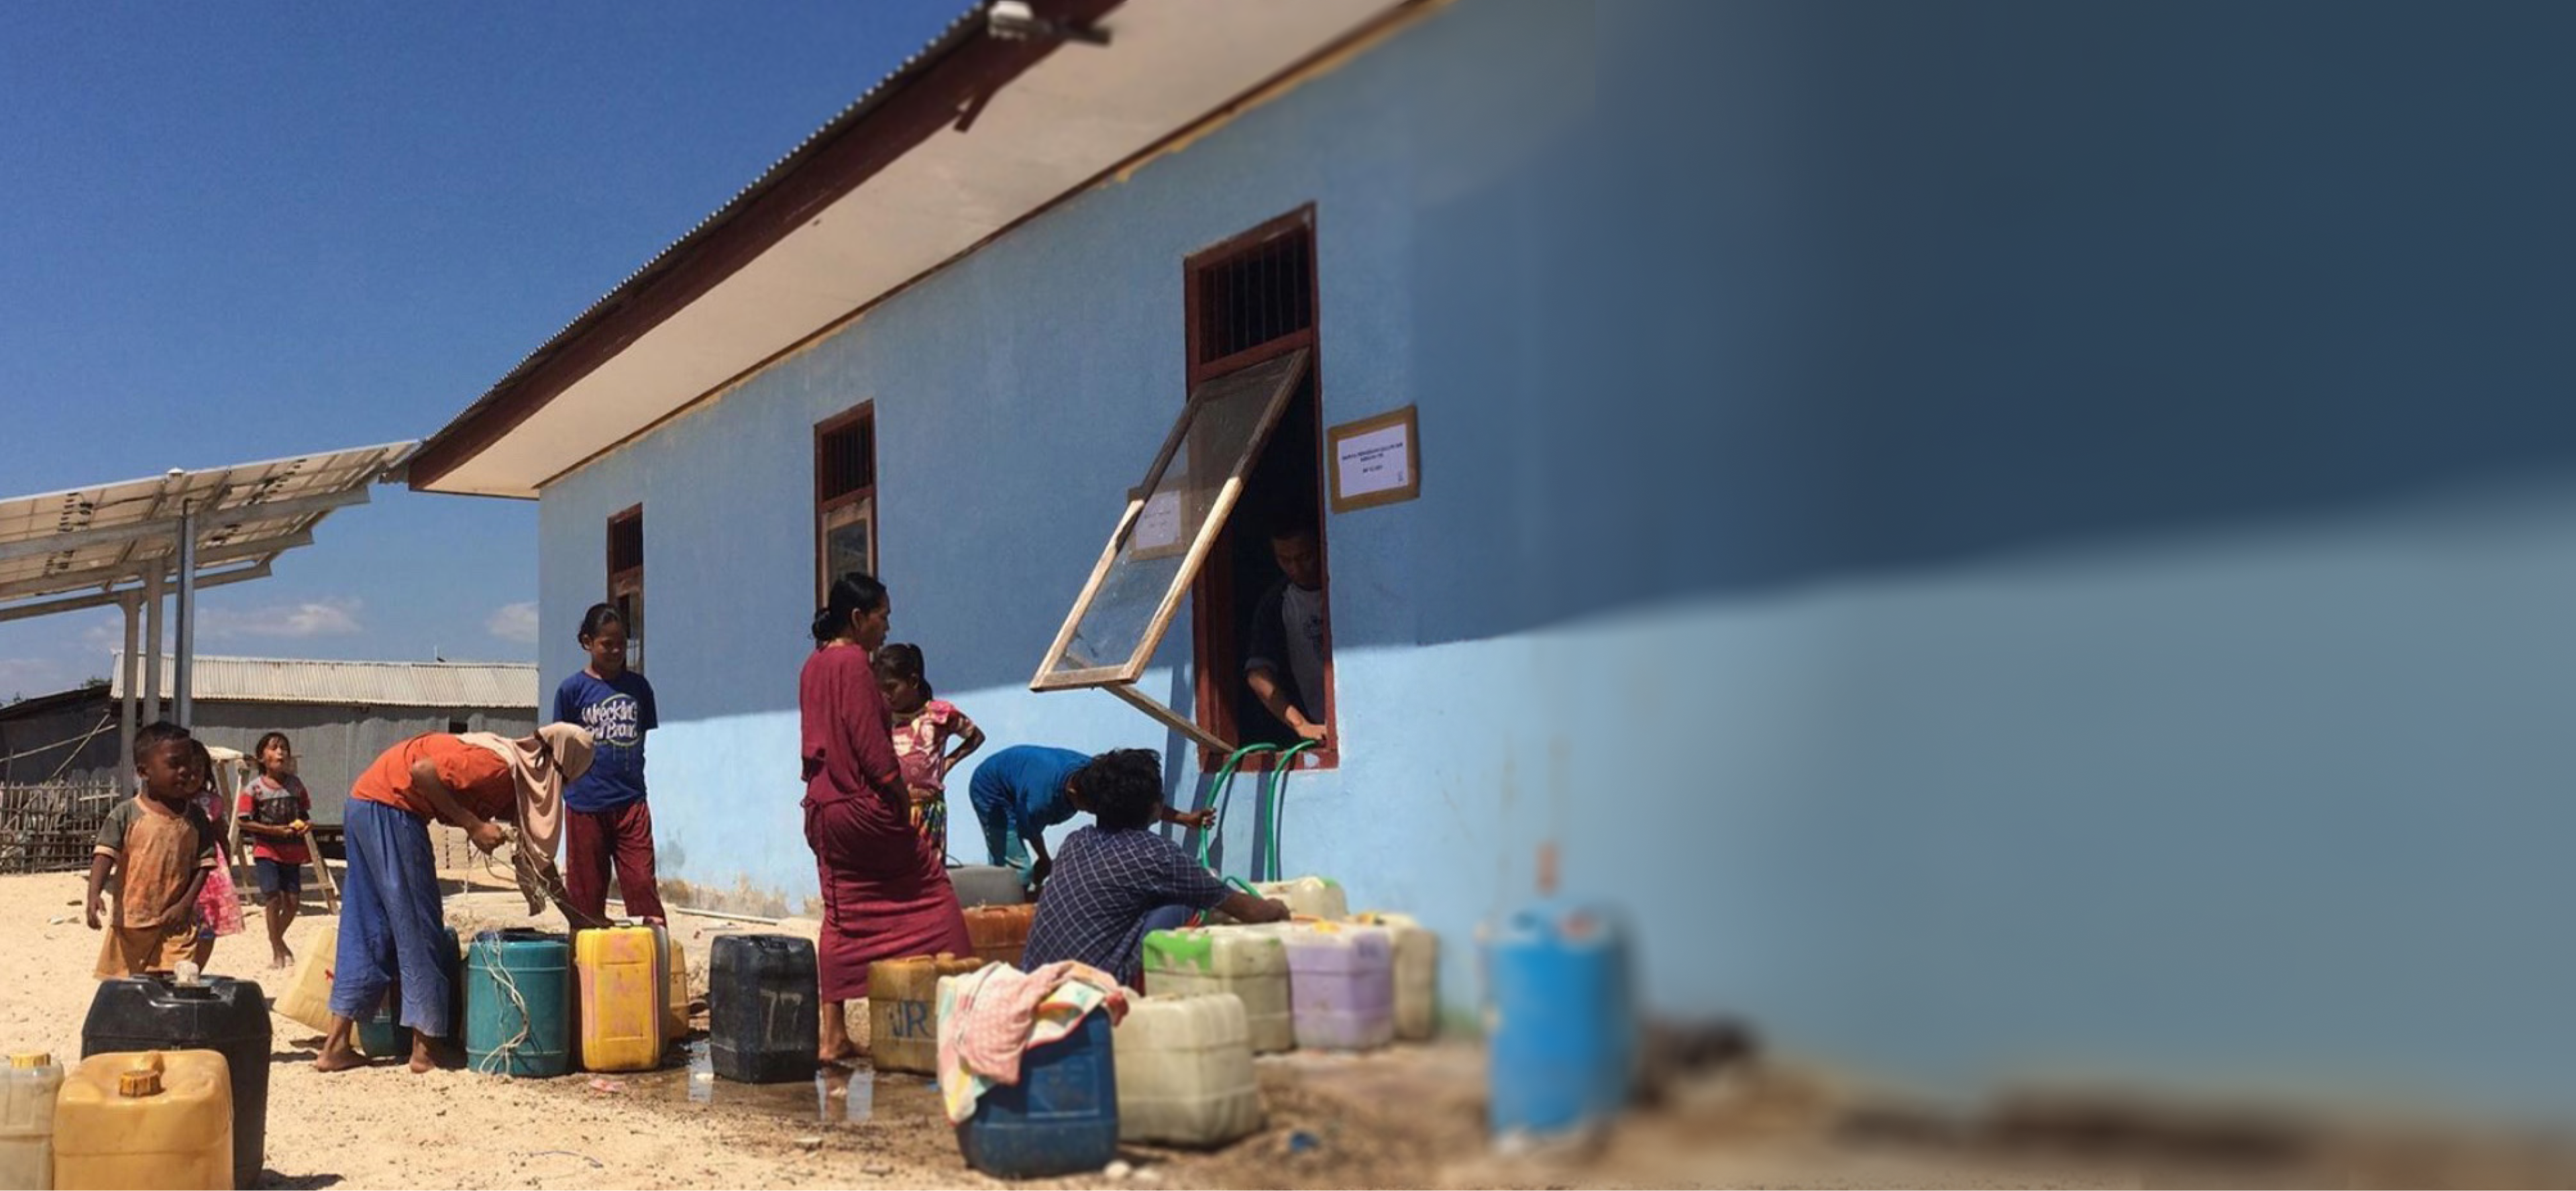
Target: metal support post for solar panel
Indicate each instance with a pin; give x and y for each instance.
(129, 669)
(152, 641)
(184, 650)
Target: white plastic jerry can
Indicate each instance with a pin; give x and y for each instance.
(28, 1087)
(1417, 974)
(1309, 897)
(1341, 985)
(1185, 1071)
(1251, 963)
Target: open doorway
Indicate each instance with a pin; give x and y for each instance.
(1261, 605)
(1273, 558)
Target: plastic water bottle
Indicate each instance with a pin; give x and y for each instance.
(702, 1073)
(863, 1095)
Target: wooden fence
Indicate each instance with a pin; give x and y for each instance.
(49, 827)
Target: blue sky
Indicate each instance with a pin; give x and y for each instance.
(238, 232)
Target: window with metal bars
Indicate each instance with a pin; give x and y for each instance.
(626, 578)
(846, 456)
(1254, 294)
(626, 541)
(845, 497)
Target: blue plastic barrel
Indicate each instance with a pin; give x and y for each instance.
(1060, 1119)
(518, 1003)
(1561, 1020)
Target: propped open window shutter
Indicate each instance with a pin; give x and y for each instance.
(1171, 522)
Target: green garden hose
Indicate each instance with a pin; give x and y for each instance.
(1266, 813)
(1273, 790)
(1217, 794)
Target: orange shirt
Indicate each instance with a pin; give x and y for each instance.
(477, 778)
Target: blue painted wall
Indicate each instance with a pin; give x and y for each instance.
(2005, 535)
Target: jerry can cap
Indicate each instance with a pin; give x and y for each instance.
(30, 1060)
(143, 1078)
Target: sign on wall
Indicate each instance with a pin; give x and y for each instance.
(1376, 461)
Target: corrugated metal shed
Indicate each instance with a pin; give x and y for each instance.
(355, 684)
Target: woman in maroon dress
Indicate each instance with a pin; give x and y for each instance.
(885, 891)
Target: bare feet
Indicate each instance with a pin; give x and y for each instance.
(281, 958)
(338, 1051)
(428, 1053)
(835, 1046)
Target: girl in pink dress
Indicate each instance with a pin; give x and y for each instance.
(218, 904)
(923, 726)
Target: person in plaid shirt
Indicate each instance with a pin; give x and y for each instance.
(1117, 881)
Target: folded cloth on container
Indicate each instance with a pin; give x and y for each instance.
(992, 1015)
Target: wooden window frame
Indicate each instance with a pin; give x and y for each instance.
(628, 581)
(1120, 676)
(1197, 264)
(825, 506)
(1213, 589)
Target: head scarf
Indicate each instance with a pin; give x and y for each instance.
(540, 766)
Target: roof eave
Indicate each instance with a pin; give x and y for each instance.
(933, 89)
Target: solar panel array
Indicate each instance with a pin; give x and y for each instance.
(92, 539)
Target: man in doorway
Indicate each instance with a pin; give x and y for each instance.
(1285, 665)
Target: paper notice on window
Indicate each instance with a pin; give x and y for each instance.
(1159, 526)
(1375, 461)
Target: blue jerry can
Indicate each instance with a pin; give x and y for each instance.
(1561, 1019)
(1060, 1119)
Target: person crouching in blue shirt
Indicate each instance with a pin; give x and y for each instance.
(1022, 790)
(606, 824)
(1117, 880)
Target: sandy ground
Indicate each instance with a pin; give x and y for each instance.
(1406, 1117)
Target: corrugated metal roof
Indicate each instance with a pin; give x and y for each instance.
(871, 203)
(361, 684)
(956, 34)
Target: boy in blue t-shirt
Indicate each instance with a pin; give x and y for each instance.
(1022, 790)
(606, 823)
